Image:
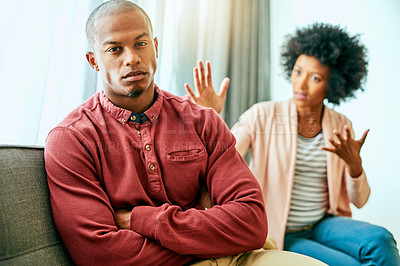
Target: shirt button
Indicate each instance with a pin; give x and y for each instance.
(123, 120)
(147, 147)
(152, 166)
(153, 118)
(133, 118)
(138, 132)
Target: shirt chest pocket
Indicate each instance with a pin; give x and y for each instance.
(186, 156)
(183, 172)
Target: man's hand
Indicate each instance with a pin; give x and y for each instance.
(123, 218)
(205, 90)
(205, 199)
(349, 150)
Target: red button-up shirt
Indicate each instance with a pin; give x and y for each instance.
(98, 160)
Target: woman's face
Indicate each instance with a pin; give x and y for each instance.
(309, 81)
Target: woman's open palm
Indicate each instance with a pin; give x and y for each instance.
(205, 90)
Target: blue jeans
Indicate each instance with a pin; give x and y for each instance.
(344, 241)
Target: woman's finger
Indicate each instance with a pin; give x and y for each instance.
(197, 83)
(189, 90)
(328, 149)
(208, 75)
(224, 88)
(202, 73)
(334, 143)
(339, 136)
(362, 140)
(348, 132)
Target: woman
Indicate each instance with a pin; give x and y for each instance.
(304, 154)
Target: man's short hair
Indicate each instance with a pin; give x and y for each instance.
(109, 8)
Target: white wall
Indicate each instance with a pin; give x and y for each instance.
(377, 108)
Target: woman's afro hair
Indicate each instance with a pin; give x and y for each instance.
(333, 47)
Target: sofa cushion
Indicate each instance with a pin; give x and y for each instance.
(27, 232)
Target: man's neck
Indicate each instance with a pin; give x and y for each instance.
(137, 104)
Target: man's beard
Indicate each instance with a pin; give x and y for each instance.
(135, 93)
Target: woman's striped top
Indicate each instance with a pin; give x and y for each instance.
(309, 201)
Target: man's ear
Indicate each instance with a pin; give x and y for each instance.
(156, 46)
(92, 60)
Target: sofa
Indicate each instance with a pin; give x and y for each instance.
(27, 232)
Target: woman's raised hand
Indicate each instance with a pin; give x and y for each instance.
(205, 90)
(348, 149)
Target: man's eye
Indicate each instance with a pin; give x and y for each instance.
(297, 72)
(141, 44)
(113, 49)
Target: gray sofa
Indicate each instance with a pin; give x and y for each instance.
(27, 232)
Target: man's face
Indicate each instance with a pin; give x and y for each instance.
(124, 54)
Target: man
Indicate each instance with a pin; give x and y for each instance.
(127, 167)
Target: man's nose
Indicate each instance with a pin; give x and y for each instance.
(131, 57)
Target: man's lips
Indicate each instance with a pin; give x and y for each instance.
(134, 76)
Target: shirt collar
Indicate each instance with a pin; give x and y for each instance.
(122, 115)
